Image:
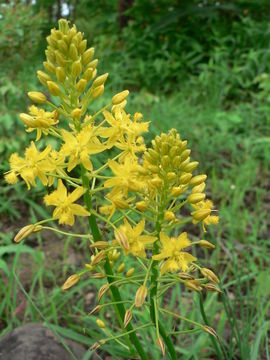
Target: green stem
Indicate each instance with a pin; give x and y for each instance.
(153, 296)
(214, 342)
(108, 270)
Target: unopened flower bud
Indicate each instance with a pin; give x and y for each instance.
(185, 178)
(141, 205)
(161, 346)
(185, 154)
(100, 80)
(88, 56)
(193, 285)
(95, 310)
(201, 214)
(130, 272)
(195, 198)
(185, 276)
(93, 64)
(210, 331)
(177, 190)
(188, 168)
(49, 67)
(43, 77)
(37, 97)
(197, 180)
(128, 317)
(76, 68)
(176, 162)
(198, 188)
(54, 89)
(206, 244)
(100, 324)
(165, 161)
(209, 274)
(88, 74)
(62, 46)
(80, 86)
(98, 258)
(169, 216)
(171, 176)
(122, 239)
(60, 59)
(213, 288)
(82, 46)
(26, 231)
(118, 98)
(97, 92)
(76, 113)
(120, 268)
(72, 280)
(140, 296)
(73, 53)
(157, 182)
(99, 245)
(60, 74)
(104, 288)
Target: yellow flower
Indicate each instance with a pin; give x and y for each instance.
(39, 120)
(63, 202)
(209, 219)
(78, 147)
(121, 125)
(135, 243)
(171, 250)
(126, 176)
(34, 164)
(117, 202)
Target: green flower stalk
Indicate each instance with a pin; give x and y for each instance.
(138, 195)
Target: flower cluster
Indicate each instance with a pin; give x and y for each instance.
(143, 194)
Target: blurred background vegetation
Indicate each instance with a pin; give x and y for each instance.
(202, 67)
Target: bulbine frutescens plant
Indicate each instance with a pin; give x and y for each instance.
(145, 189)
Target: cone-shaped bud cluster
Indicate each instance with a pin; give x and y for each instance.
(67, 58)
(168, 161)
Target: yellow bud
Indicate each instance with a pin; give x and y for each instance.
(169, 216)
(50, 55)
(76, 113)
(165, 161)
(141, 205)
(97, 92)
(128, 317)
(201, 214)
(198, 188)
(80, 86)
(88, 74)
(62, 46)
(54, 89)
(100, 324)
(37, 97)
(140, 296)
(88, 56)
(157, 182)
(72, 280)
(197, 180)
(49, 67)
(171, 176)
(63, 26)
(178, 190)
(154, 154)
(209, 274)
(76, 68)
(118, 98)
(206, 244)
(190, 167)
(195, 198)
(27, 119)
(60, 59)
(82, 46)
(100, 80)
(120, 268)
(26, 231)
(60, 74)
(185, 178)
(176, 161)
(185, 154)
(73, 53)
(93, 64)
(193, 285)
(130, 272)
(43, 77)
